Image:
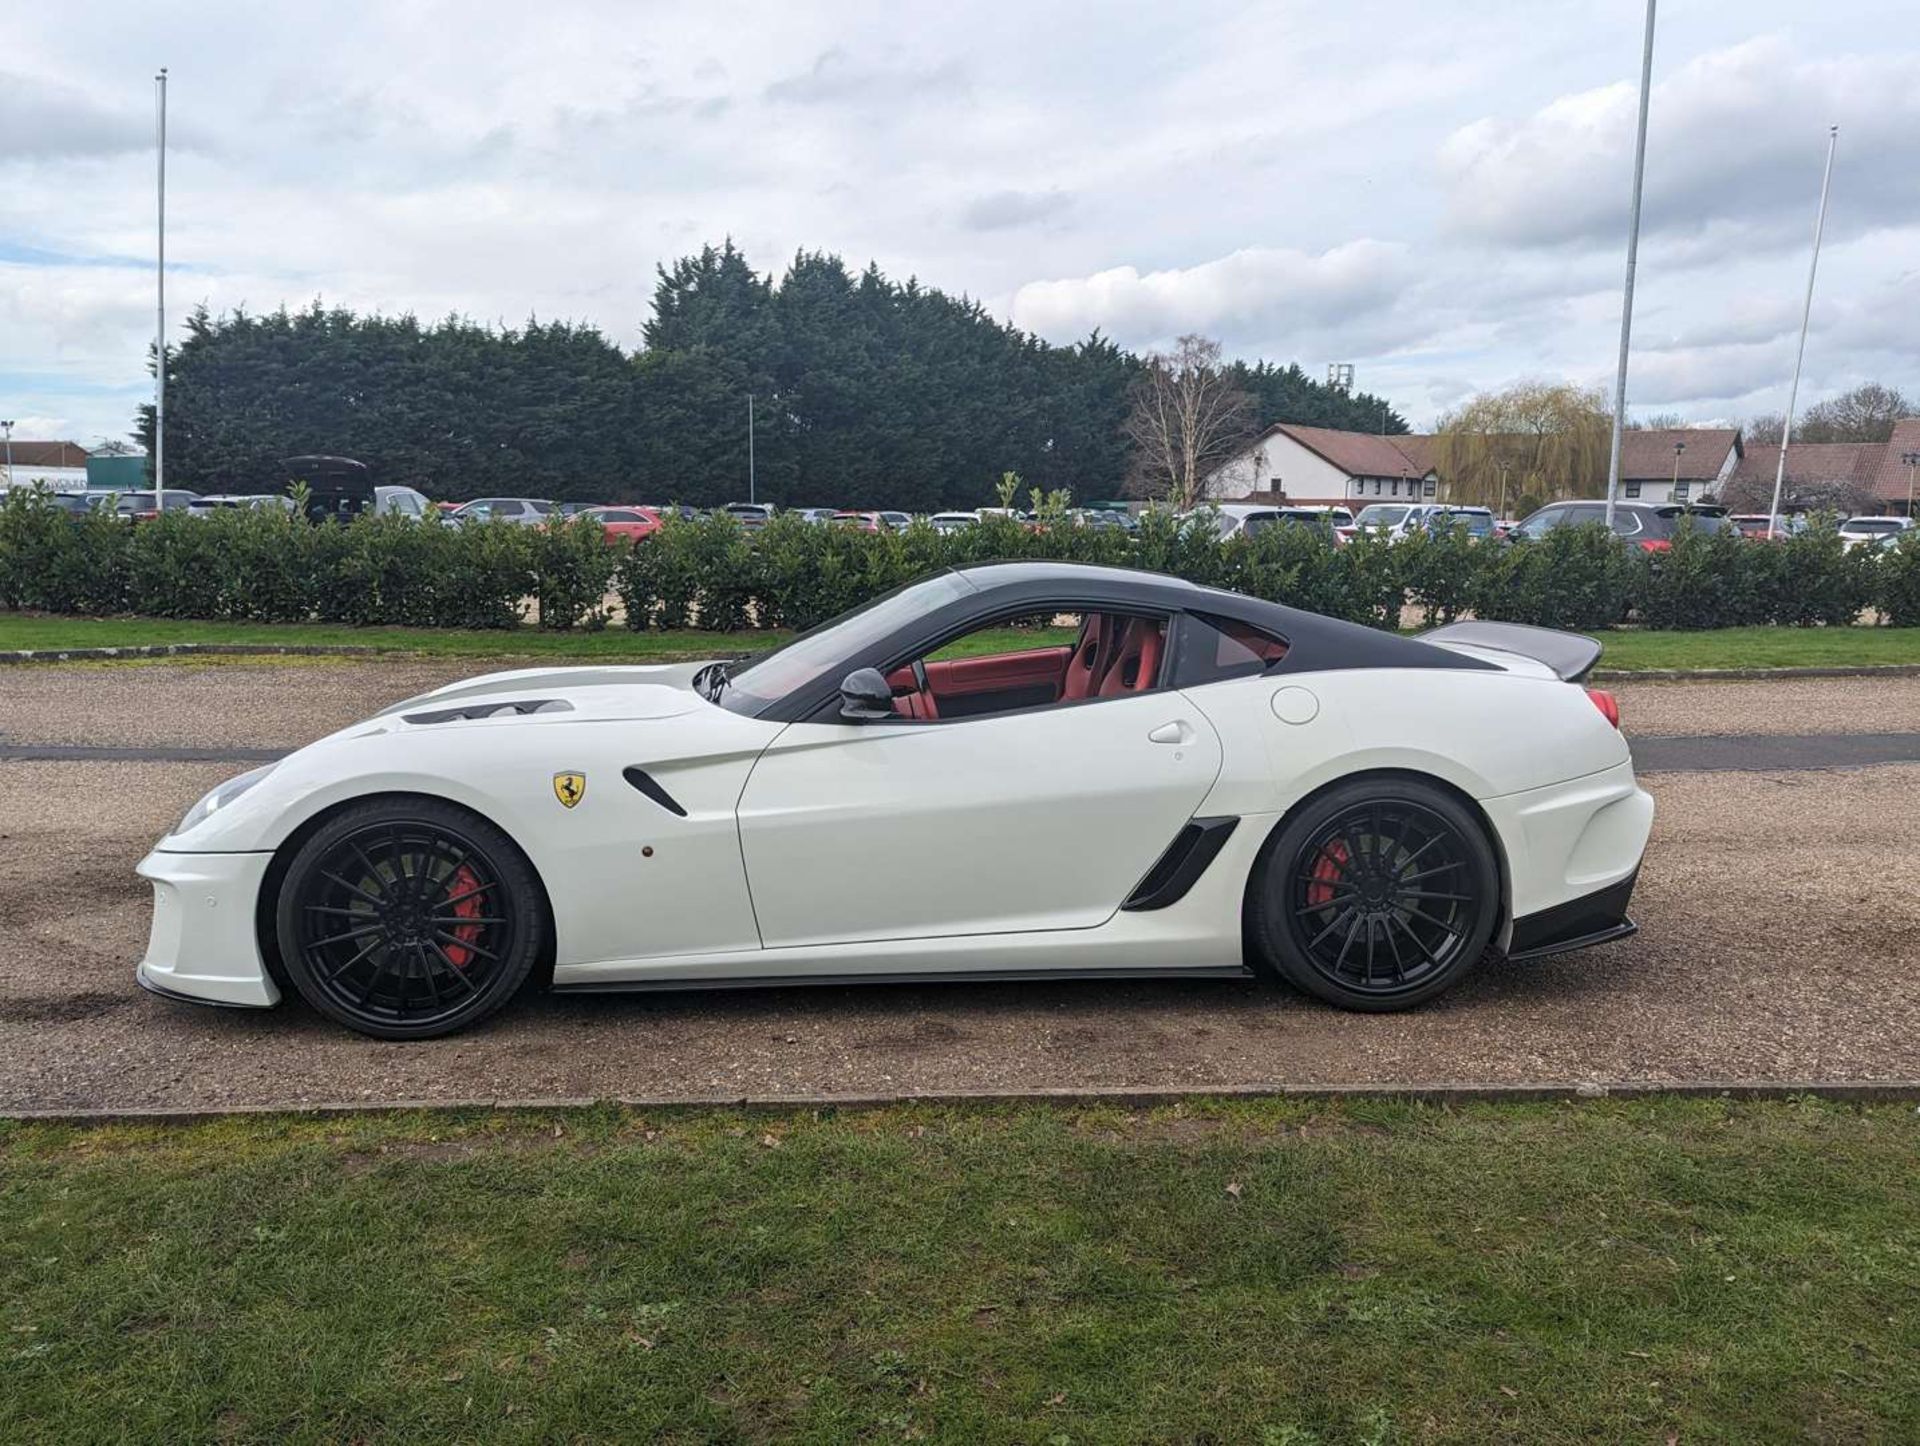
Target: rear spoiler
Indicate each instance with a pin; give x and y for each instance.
(1570, 655)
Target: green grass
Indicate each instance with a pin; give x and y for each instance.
(1626, 650)
(1762, 648)
(1266, 1271)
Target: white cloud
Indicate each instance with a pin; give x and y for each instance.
(1734, 135)
(1258, 291)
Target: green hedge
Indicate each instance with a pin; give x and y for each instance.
(271, 566)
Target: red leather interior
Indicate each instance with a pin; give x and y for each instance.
(1092, 655)
(1113, 655)
(1137, 668)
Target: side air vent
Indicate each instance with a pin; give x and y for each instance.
(650, 786)
(491, 710)
(1180, 867)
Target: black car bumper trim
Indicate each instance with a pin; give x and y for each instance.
(1579, 923)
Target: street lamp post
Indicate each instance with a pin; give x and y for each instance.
(1912, 459)
(1678, 448)
(8, 426)
(1633, 254)
(1505, 467)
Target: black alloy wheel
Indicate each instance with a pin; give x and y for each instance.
(406, 919)
(1378, 895)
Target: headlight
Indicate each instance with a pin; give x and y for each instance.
(218, 798)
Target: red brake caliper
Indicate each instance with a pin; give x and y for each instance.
(464, 881)
(1327, 871)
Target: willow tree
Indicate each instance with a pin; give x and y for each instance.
(1533, 439)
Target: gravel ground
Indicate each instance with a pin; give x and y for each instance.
(1798, 705)
(1771, 947)
(243, 702)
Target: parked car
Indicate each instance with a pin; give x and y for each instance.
(520, 511)
(1248, 519)
(1393, 520)
(945, 522)
(750, 515)
(1858, 531)
(625, 524)
(404, 502)
(813, 514)
(254, 501)
(1477, 522)
(574, 509)
(873, 521)
(1647, 525)
(806, 816)
(139, 507)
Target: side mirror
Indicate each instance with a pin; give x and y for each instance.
(865, 695)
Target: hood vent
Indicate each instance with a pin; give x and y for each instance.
(518, 708)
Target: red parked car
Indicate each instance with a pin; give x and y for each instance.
(625, 524)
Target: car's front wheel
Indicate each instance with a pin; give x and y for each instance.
(408, 918)
(1377, 895)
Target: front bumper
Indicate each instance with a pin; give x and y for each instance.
(203, 946)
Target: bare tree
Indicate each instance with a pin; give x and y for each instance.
(1764, 430)
(1186, 418)
(1754, 493)
(1865, 414)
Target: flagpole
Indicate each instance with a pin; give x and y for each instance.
(1806, 315)
(1633, 256)
(160, 310)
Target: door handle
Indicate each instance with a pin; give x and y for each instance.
(1179, 731)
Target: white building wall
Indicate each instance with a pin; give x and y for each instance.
(55, 479)
(1278, 463)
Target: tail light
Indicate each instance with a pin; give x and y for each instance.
(1655, 544)
(1608, 705)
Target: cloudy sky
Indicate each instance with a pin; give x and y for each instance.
(1433, 192)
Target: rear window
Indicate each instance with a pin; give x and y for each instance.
(1215, 649)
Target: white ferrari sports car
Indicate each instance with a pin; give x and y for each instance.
(1021, 770)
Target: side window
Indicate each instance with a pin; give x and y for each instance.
(1215, 649)
(478, 511)
(507, 508)
(1035, 661)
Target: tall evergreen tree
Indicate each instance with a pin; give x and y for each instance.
(866, 392)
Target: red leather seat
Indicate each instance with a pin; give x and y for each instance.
(1088, 666)
(1137, 667)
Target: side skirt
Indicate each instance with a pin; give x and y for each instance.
(981, 976)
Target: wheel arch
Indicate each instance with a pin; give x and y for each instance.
(1502, 926)
(266, 902)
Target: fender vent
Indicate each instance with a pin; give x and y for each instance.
(650, 786)
(1180, 867)
(491, 710)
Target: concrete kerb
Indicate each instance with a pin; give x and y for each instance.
(1443, 1093)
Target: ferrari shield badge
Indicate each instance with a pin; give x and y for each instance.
(569, 788)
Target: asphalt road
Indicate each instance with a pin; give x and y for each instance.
(1777, 942)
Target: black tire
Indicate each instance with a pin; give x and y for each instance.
(1376, 896)
(407, 918)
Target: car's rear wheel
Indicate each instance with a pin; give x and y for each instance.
(408, 918)
(1377, 895)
